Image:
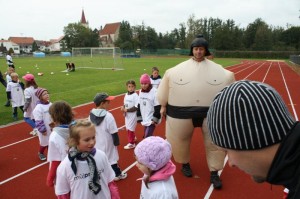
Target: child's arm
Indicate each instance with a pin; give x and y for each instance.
(65, 196)
(114, 191)
(40, 125)
(22, 85)
(27, 103)
(132, 109)
(156, 114)
(116, 139)
(52, 173)
(138, 113)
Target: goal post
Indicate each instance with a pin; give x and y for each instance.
(98, 58)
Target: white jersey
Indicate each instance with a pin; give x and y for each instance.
(41, 112)
(104, 139)
(30, 93)
(58, 144)
(155, 82)
(9, 60)
(8, 78)
(147, 102)
(67, 181)
(17, 95)
(162, 189)
(131, 117)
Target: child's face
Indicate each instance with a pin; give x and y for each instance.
(45, 96)
(130, 87)
(143, 168)
(87, 138)
(15, 78)
(155, 73)
(145, 86)
(105, 104)
(10, 70)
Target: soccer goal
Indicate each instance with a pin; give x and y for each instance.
(97, 58)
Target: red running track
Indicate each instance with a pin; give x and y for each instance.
(23, 175)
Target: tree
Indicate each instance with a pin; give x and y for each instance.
(34, 47)
(124, 40)
(76, 35)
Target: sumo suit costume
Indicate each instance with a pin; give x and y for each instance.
(186, 92)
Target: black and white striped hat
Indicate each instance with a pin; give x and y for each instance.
(248, 115)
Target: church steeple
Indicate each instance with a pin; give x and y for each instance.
(83, 20)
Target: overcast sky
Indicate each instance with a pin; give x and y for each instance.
(45, 20)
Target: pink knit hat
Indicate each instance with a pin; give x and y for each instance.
(154, 152)
(28, 77)
(39, 92)
(145, 79)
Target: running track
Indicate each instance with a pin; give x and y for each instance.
(23, 175)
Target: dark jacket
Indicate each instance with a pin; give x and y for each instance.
(285, 168)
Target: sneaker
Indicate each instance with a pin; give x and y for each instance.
(215, 180)
(34, 132)
(7, 104)
(186, 170)
(122, 176)
(129, 146)
(15, 117)
(42, 156)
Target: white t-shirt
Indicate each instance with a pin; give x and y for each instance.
(41, 112)
(131, 117)
(58, 145)
(9, 58)
(67, 181)
(104, 140)
(30, 93)
(8, 78)
(17, 95)
(147, 102)
(155, 82)
(162, 189)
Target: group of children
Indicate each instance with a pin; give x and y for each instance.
(83, 153)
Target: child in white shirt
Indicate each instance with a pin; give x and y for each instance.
(148, 108)
(15, 93)
(85, 172)
(155, 77)
(107, 138)
(129, 110)
(61, 115)
(42, 120)
(153, 155)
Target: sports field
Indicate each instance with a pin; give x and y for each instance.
(23, 175)
(81, 86)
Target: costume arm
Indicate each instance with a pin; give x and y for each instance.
(52, 173)
(116, 139)
(114, 191)
(132, 109)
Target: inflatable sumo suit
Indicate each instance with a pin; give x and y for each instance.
(186, 92)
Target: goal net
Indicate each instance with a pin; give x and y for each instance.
(97, 58)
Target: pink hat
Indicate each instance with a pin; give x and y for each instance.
(145, 79)
(154, 152)
(28, 77)
(39, 92)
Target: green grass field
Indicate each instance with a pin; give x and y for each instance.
(81, 86)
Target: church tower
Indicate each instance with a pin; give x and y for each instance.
(83, 21)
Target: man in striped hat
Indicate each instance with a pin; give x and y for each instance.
(251, 122)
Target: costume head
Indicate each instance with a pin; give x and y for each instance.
(28, 77)
(101, 97)
(199, 41)
(39, 92)
(154, 152)
(248, 115)
(145, 79)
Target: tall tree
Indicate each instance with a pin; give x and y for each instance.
(124, 40)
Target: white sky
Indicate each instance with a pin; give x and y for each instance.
(45, 20)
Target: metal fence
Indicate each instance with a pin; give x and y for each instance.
(295, 59)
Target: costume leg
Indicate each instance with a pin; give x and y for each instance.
(215, 157)
(179, 133)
